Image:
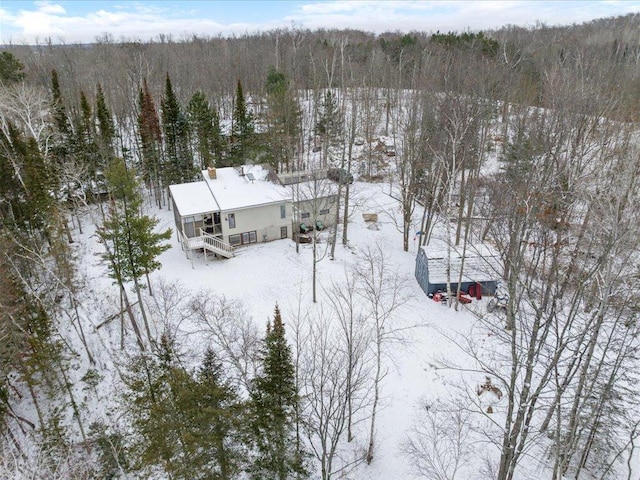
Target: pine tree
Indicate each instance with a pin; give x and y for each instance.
(150, 142)
(242, 130)
(131, 242)
(205, 128)
(179, 165)
(85, 148)
(105, 130)
(85, 125)
(283, 120)
(26, 184)
(188, 424)
(11, 69)
(38, 183)
(63, 140)
(329, 124)
(274, 403)
(217, 422)
(151, 381)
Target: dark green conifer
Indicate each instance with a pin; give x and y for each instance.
(11, 69)
(106, 132)
(85, 148)
(283, 120)
(150, 136)
(328, 124)
(189, 424)
(30, 203)
(179, 165)
(59, 110)
(132, 244)
(205, 130)
(218, 420)
(274, 402)
(242, 130)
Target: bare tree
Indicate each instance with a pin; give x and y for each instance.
(227, 327)
(28, 107)
(344, 300)
(563, 239)
(439, 445)
(381, 288)
(314, 199)
(409, 164)
(324, 393)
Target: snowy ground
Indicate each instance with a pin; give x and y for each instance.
(261, 275)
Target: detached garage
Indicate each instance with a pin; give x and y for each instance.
(481, 266)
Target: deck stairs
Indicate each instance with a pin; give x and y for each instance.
(209, 243)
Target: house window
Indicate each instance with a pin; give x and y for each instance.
(324, 212)
(305, 215)
(283, 232)
(232, 220)
(243, 238)
(283, 211)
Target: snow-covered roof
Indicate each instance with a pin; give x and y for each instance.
(246, 187)
(311, 189)
(301, 176)
(193, 198)
(481, 264)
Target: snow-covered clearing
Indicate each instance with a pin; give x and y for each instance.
(261, 275)
(433, 355)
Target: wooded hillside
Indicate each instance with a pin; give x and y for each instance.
(524, 139)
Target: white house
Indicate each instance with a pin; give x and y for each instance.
(231, 207)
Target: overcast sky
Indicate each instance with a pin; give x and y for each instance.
(82, 21)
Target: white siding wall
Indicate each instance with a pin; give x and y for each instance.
(323, 209)
(264, 220)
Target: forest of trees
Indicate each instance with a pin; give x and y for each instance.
(100, 128)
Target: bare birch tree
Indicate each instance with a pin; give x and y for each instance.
(381, 288)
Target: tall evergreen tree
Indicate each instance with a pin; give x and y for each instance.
(329, 124)
(274, 402)
(188, 424)
(106, 131)
(205, 130)
(63, 142)
(283, 120)
(179, 164)
(242, 130)
(26, 184)
(38, 183)
(130, 238)
(151, 381)
(85, 148)
(150, 136)
(217, 422)
(60, 118)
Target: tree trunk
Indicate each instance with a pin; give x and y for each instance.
(132, 318)
(144, 313)
(376, 396)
